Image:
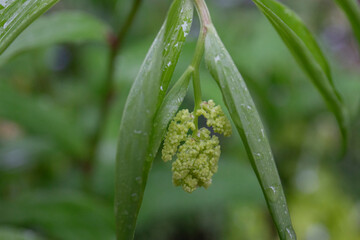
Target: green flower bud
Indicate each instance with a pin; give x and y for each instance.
(198, 156)
(216, 118)
(197, 161)
(177, 132)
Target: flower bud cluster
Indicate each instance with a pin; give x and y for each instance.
(198, 155)
(215, 117)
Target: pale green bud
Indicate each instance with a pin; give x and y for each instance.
(196, 161)
(216, 118)
(177, 132)
(198, 156)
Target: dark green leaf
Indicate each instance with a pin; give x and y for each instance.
(306, 51)
(352, 11)
(41, 119)
(134, 157)
(248, 123)
(58, 28)
(16, 15)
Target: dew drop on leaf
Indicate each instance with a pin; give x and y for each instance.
(134, 197)
(273, 193)
(290, 233)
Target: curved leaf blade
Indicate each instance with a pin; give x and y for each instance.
(134, 156)
(63, 27)
(16, 15)
(352, 11)
(169, 107)
(306, 51)
(248, 123)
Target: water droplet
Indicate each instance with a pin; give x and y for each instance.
(161, 88)
(138, 180)
(288, 12)
(169, 64)
(290, 233)
(273, 193)
(184, 28)
(248, 107)
(217, 58)
(263, 132)
(134, 197)
(176, 45)
(137, 131)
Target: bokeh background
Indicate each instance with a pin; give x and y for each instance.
(46, 193)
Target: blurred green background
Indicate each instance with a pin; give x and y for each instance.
(50, 107)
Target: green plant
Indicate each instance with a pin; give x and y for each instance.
(152, 104)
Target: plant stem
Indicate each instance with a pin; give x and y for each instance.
(205, 20)
(115, 43)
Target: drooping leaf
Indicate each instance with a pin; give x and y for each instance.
(352, 11)
(16, 15)
(306, 51)
(134, 157)
(63, 27)
(248, 123)
(168, 108)
(42, 120)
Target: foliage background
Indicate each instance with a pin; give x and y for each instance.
(46, 193)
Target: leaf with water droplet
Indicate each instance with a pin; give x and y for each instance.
(17, 16)
(168, 109)
(136, 153)
(309, 56)
(248, 123)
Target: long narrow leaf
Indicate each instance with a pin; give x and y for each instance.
(352, 11)
(134, 158)
(16, 15)
(248, 123)
(69, 27)
(169, 107)
(306, 51)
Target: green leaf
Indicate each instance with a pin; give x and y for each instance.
(44, 120)
(352, 11)
(248, 123)
(306, 51)
(63, 27)
(16, 15)
(134, 155)
(169, 107)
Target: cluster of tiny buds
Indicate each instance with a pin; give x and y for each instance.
(197, 156)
